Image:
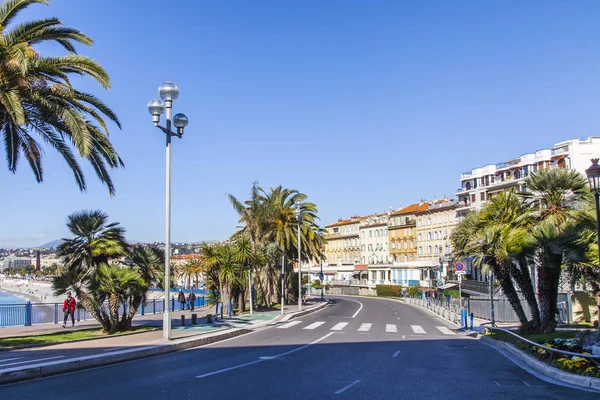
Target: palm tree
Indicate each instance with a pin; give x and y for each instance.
(556, 198)
(37, 97)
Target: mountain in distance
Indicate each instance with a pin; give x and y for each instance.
(53, 244)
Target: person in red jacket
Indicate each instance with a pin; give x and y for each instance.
(69, 308)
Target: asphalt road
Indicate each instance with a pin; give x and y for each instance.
(357, 348)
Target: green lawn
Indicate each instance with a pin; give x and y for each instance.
(540, 338)
(60, 337)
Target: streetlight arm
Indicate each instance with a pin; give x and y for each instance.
(166, 132)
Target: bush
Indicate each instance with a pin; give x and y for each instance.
(414, 291)
(388, 290)
(316, 284)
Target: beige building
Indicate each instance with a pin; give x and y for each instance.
(342, 242)
(434, 227)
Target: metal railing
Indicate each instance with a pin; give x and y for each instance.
(41, 313)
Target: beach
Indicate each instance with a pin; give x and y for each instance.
(29, 290)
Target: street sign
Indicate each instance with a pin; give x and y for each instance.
(461, 272)
(321, 276)
(459, 266)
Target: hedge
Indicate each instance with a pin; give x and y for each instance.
(388, 290)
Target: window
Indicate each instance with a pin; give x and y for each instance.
(362, 248)
(482, 196)
(418, 222)
(412, 244)
(429, 250)
(428, 221)
(428, 235)
(473, 198)
(394, 245)
(405, 244)
(406, 258)
(445, 218)
(419, 237)
(420, 251)
(370, 234)
(411, 257)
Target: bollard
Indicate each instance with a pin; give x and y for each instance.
(209, 318)
(216, 312)
(221, 310)
(229, 309)
(56, 313)
(143, 306)
(183, 320)
(172, 303)
(153, 306)
(466, 319)
(194, 319)
(28, 314)
(472, 316)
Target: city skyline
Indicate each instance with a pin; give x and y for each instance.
(335, 100)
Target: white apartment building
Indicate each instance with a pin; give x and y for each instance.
(17, 262)
(374, 239)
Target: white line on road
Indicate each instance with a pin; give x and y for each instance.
(31, 361)
(391, 328)
(314, 325)
(445, 330)
(527, 384)
(339, 326)
(396, 354)
(496, 383)
(364, 327)
(113, 348)
(347, 386)
(266, 358)
(403, 336)
(417, 329)
(9, 359)
(289, 325)
(360, 308)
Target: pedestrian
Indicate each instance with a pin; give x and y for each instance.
(69, 308)
(192, 299)
(181, 299)
(428, 297)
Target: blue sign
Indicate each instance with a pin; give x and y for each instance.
(321, 276)
(459, 266)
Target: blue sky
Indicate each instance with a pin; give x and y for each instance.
(361, 105)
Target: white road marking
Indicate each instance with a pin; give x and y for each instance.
(417, 329)
(396, 354)
(360, 308)
(347, 386)
(266, 358)
(526, 383)
(496, 383)
(445, 330)
(10, 359)
(339, 326)
(113, 348)
(391, 328)
(403, 336)
(364, 327)
(32, 361)
(289, 324)
(314, 325)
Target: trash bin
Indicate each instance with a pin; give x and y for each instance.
(209, 318)
(194, 319)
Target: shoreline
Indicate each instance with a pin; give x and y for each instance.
(29, 291)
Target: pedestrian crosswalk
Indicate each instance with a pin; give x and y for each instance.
(366, 327)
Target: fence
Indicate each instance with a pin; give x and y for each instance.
(40, 313)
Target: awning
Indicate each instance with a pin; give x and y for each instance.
(447, 286)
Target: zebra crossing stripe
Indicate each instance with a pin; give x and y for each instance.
(339, 326)
(366, 327)
(289, 324)
(391, 328)
(417, 329)
(445, 330)
(314, 325)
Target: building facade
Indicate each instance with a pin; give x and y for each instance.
(374, 239)
(342, 242)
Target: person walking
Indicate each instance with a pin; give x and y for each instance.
(192, 299)
(181, 299)
(69, 308)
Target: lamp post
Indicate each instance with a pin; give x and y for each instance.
(593, 175)
(168, 92)
(322, 280)
(282, 282)
(250, 286)
(299, 213)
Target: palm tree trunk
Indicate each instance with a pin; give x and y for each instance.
(90, 307)
(113, 307)
(521, 274)
(510, 292)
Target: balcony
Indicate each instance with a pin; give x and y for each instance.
(463, 205)
(462, 190)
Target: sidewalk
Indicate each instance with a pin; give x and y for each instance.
(22, 364)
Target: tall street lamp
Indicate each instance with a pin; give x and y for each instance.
(593, 174)
(168, 92)
(299, 213)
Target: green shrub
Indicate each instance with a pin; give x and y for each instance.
(388, 290)
(414, 291)
(316, 284)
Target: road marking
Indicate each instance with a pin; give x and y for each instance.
(9, 359)
(391, 328)
(289, 325)
(266, 358)
(417, 329)
(496, 383)
(445, 330)
(113, 348)
(396, 354)
(365, 327)
(347, 386)
(526, 383)
(31, 361)
(403, 336)
(339, 326)
(314, 325)
(359, 308)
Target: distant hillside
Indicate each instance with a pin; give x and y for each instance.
(53, 244)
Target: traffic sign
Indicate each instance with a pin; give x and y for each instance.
(321, 276)
(461, 272)
(459, 266)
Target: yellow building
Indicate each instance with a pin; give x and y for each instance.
(342, 246)
(403, 232)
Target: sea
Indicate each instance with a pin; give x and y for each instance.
(10, 299)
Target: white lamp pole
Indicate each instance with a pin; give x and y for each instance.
(298, 212)
(168, 92)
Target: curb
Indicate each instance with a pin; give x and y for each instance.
(11, 375)
(304, 312)
(35, 345)
(586, 382)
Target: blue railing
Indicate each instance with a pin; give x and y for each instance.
(41, 313)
